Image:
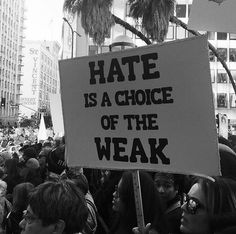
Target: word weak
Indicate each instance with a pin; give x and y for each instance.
(137, 149)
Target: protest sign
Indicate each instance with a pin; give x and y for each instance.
(145, 108)
(213, 15)
(42, 133)
(56, 112)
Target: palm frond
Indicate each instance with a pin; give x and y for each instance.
(155, 15)
(73, 6)
(98, 19)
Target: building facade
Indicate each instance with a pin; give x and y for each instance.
(40, 76)
(225, 43)
(11, 46)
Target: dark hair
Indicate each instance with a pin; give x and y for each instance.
(11, 166)
(33, 176)
(82, 183)
(220, 201)
(21, 196)
(152, 207)
(52, 201)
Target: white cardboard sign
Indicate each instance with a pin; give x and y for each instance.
(56, 113)
(42, 133)
(213, 15)
(145, 108)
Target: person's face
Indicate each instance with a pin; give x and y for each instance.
(31, 224)
(117, 203)
(194, 217)
(166, 189)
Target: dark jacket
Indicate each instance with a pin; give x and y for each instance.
(12, 222)
(173, 215)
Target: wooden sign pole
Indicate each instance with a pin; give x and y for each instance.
(138, 200)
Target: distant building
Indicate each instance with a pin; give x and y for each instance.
(11, 45)
(41, 76)
(224, 97)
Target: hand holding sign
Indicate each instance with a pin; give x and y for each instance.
(136, 230)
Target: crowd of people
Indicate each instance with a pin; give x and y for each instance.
(40, 194)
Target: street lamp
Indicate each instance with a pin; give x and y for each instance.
(72, 32)
(121, 42)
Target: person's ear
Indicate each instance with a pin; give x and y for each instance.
(59, 227)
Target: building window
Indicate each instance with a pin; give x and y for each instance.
(170, 33)
(180, 33)
(138, 26)
(212, 76)
(211, 56)
(232, 100)
(128, 33)
(108, 34)
(221, 36)
(127, 9)
(190, 34)
(211, 35)
(189, 9)
(232, 36)
(104, 49)
(221, 77)
(181, 10)
(221, 100)
(93, 49)
(222, 53)
(233, 73)
(232, 55)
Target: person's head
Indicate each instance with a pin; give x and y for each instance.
(21, 195)
(57, 141)
(47, 144)
(28, 153)
(32, 163)
(55, 207)
(11, 167)
(124, 201)
(207, 205)
(166, 185)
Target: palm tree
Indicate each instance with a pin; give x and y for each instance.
(155, 16)
(96, 17)
(97, 20)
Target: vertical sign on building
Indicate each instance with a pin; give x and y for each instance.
(34, 54)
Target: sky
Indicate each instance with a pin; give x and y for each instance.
(43, 19)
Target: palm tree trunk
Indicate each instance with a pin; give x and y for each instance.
(176, 21)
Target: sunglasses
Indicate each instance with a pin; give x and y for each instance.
(192, 204)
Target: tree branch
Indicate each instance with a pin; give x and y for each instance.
(176, 21)
(131, 29)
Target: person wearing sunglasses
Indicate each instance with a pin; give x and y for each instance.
(55, 208)
(210, 207)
